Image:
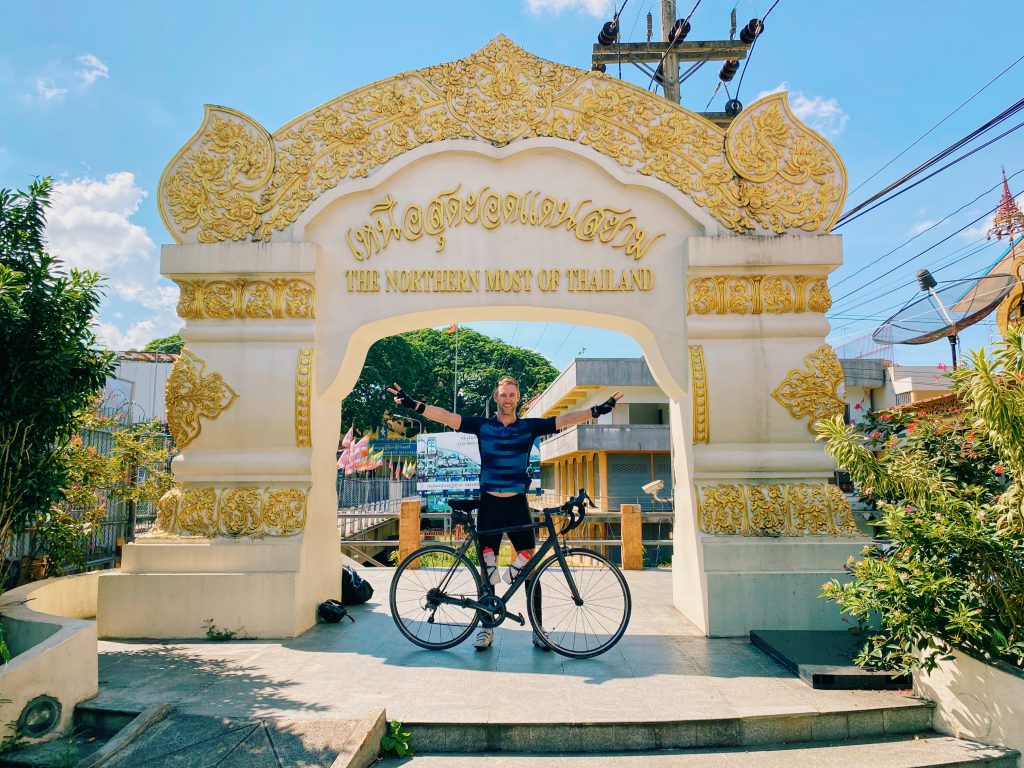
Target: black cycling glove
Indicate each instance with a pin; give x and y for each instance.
(403, 398)
(603, 408)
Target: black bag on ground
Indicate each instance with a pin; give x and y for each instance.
(355, 590)
(331, 611)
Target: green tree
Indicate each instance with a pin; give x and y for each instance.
(50, 367)
(423, 362)
(390, 359)
(482, 360)
(952, 569)
(171, 344)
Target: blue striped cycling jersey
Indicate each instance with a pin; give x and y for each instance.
(505, 450)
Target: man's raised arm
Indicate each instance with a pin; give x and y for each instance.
(578, 417)
(432, 412)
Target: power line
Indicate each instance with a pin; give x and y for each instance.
(951, 163)
(750, 53)
(884, 313)
(923, 135)
(922, 232)
(918, 255)
(1005, 114)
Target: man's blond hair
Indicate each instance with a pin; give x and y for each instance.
(506, 380)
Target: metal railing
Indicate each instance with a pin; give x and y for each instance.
(101, 547)
(361, 491)
(615, 539)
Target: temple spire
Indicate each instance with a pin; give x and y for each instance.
(1009, 221)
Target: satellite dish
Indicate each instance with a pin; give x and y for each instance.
(946, 309)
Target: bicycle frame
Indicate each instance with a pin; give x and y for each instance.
(551, 543)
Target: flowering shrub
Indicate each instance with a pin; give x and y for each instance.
(952, 569)
(135, 469)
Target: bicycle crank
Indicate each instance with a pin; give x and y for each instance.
(492, 610)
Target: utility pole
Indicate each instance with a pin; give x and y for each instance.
(647, 56)
(670, 64)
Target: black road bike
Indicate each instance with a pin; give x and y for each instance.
(577, 601)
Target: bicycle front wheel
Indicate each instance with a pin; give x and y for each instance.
(593, 626)
(422, 591)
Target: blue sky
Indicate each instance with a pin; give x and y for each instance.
(101, 96)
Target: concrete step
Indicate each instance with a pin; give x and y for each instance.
(59, 753)
(914, 717)
(923, 751)
(104, 721)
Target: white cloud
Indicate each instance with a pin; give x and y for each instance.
(151, 297)
(89, 226)
(596, 8)
(820, 113)
(135, 337)
(980, 229)
(921, 226)
(92, 69)
(48, 92)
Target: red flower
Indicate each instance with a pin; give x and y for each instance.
(942, 367)
(875, 435)
(856, 407)
(998, 469)
(884, 417)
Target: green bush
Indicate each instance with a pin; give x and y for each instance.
(50, 367)
(950, 570)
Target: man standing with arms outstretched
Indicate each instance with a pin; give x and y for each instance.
(505, 442)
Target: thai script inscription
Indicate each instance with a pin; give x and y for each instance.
(615, 227)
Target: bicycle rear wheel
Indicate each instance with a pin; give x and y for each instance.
(579, 631)
(422, 584)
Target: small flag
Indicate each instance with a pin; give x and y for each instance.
(452, 328)
(343, 459)
(347, 440)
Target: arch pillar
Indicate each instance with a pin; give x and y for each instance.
(758, 527)
(249, 540)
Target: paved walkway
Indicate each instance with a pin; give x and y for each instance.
(663, 669)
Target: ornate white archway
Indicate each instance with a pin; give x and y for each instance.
(496, 186)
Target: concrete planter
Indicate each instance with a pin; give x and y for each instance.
(976, 700)
(49, 628)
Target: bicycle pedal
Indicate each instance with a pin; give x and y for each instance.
(518, 617)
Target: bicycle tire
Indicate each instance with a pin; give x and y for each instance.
(413, 613)
(579, 632)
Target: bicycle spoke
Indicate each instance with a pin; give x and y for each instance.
(424, 600)
(590, 628)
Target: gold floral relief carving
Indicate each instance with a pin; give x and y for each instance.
(767, 510)
(774, 509)
(258, 300)
(722, 509)
(814, 391)
(699, 393)
(236, 511)
(197, 515)
(820, 300)
(756, 294)
(167, 512)
(808, 510)
(285, 512)
(303, 370)
(240, 512)
(243, 298)
(190, 396)
(235, 181)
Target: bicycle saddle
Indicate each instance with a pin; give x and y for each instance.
(461, 509)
